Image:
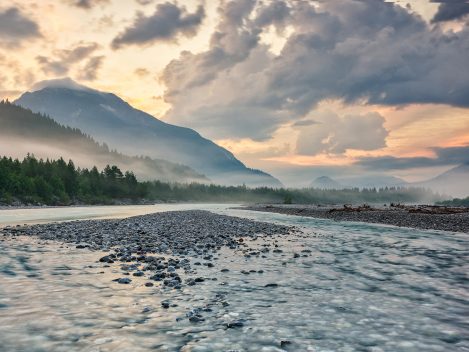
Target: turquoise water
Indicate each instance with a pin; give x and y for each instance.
(353, 287)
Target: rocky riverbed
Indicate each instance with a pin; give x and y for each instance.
(156, 246)
(196, 281)
(456, 222)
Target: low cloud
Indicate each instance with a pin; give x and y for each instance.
(16, 27)
(449, 10)
(335, 134)
(443, 157)
(167, 23)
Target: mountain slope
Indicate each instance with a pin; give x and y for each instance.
(108, 118)
(325, 182)
(23, 131)
(454, 182)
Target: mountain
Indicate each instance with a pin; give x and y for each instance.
(325, 182)
(23, 131)
(109, 119)
(454, 182)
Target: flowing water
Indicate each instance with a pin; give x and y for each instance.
(351, 287)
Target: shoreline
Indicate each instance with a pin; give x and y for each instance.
(404, 216)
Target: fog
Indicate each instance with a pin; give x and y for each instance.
(144, 168)
(453, 183)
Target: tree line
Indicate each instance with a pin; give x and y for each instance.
(57, 182)
(456, 202)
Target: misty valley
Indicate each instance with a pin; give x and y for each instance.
(234, 176)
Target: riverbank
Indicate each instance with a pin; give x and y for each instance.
(404, 216)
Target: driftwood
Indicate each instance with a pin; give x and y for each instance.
(350, 208)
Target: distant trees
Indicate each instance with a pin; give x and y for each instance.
(57, 182)
(456, 202)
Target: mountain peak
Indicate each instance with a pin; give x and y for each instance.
(65, 82)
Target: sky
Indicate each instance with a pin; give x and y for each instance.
(297, 88)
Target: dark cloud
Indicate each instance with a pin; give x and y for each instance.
(90, 71)
(86, 4)
(373, 52)
(274, 13)
(443, 157)
(166, 24)
(302, 123)
(63, 60)
(144, 2)
(449, 10)
(15, 26)
(52, 67)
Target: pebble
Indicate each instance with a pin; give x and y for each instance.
(271, 285)
(235, 324)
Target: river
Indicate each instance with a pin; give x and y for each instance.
(354, 287)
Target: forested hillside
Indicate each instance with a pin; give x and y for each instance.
(23, 131)
(58, 182)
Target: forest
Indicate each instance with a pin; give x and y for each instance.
(35, 181)
(456, 202)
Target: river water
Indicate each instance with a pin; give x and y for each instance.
(353, 287)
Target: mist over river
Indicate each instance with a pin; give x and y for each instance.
(334, 286)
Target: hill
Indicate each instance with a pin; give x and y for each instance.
(23, 132)
(454, 182)
(325, 182)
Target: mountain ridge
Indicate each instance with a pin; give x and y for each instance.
(454, 182)
(40, 135)
(109, 119)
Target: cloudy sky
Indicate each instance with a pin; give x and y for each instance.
(297, 88)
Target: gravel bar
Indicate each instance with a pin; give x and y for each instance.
(389, 216)
(176, 234)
